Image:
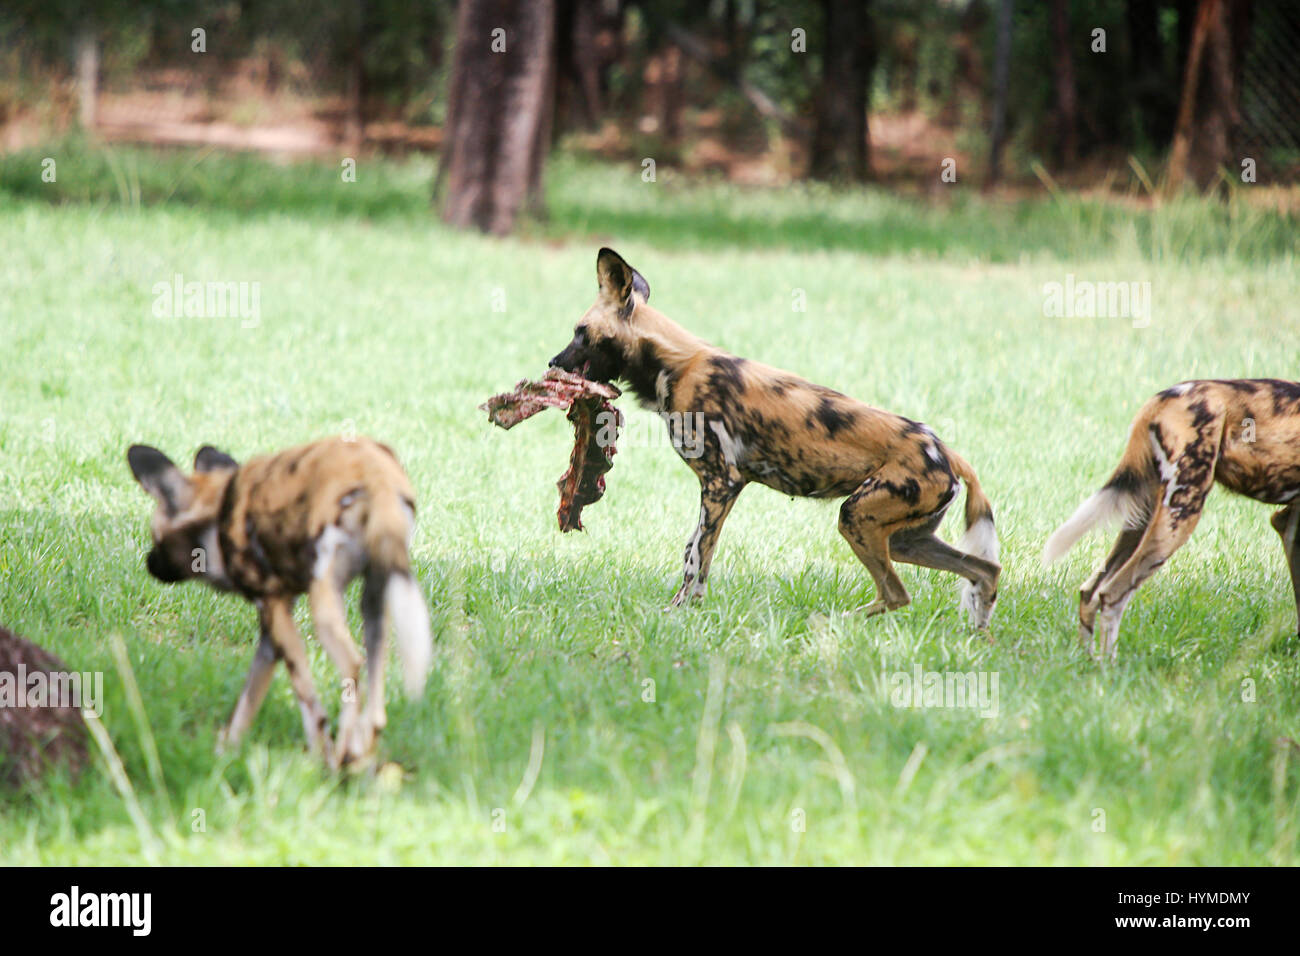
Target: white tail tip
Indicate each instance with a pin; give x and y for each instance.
(981, 540)
(410, 617)
(1107, 507)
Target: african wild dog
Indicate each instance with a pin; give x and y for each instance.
(1244, 433)
(307, 520)
(771, 427)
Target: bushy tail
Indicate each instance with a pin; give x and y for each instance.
(1126, 497)
(980, 540)
(981, 537)
(388, 531)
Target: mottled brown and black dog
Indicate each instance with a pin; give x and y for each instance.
(305, 521)
(1243, 433)
(764, 425)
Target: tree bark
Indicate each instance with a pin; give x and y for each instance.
(1067, 99)
(1001, 77)
(354, 121)
(840, 144)
(1208, 115)
(499, 112)
(87, 56)
(580, 68)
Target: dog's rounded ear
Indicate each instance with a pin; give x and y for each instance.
(640, 286)
(614, 276)
(160, 477)
(210, 459)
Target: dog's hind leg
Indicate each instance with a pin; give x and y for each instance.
(1186, 476)
(1287, 523)
(717, 495)
(372, 613)
(1125, 545)
(921, 546)
(868, 518)
(332, 631)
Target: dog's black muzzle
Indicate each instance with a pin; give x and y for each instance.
(568, 360)
(162, 567)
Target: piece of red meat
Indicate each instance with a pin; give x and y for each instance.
(595, 430)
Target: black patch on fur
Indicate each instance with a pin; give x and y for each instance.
(726, 376)
(1202, 413)
(640, 370)
(833, 418)
(909, 490)
(1127, 481)
(1286, 396)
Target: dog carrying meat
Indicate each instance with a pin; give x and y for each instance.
(767, 426)
(1242, 433)
(304, 521)
(595, 430)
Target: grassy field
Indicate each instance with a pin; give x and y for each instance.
(568, 718)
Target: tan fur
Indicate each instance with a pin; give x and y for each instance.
(306, 520)
(1242, 433)
(772, 427)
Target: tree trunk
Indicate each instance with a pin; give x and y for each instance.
(580, 68)
(1208, 114)
(499, 112)
(840, 145)
(1067, 100)
(1001, 76)
(968, 84)
(354, 120)
(87, 55)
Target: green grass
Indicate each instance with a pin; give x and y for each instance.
(770, 705)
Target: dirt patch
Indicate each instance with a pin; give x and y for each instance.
(34, 736)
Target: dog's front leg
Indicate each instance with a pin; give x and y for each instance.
(717, 495)
(1287, 523)
(259, 680)
(278, 613)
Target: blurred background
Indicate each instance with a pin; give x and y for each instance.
(1116, 96)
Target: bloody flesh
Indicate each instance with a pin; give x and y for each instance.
(595, 428)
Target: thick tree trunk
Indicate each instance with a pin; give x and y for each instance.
(840, 145)
(499, 112)
(1209, 115)
(580, 69)
(1067, 100)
